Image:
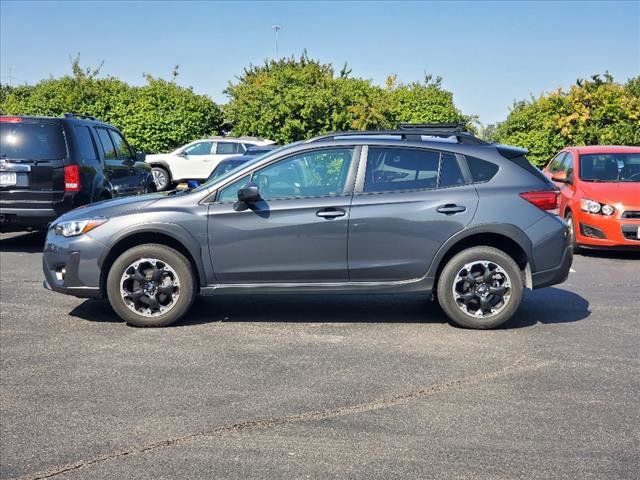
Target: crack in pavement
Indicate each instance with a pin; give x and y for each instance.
(399, 399)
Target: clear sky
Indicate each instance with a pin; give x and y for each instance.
(488, 53)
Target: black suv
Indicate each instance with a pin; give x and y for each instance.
(49, 166)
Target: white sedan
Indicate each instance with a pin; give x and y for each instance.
(196, 160)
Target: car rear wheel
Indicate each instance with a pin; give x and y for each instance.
(161, 178)
(480, 287)
(151, 286)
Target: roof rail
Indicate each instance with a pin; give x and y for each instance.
(413, 131)
(78, 115)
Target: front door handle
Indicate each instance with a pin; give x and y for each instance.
(451, 208)
(331, 212)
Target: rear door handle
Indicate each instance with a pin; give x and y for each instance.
(330, 213)
(451, 208)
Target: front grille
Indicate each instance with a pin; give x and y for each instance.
(630, 232)
(631, 214)
(589, 231)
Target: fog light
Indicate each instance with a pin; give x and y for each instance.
(60, 273)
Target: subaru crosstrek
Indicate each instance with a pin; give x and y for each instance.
(423, 209)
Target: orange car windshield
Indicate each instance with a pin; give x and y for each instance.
(610, 167)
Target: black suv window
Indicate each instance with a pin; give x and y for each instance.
(481, 170)
(85, 143)
(390, 169)
(107, 145)
(122, 149)
(32, 141)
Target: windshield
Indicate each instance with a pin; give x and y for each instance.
(227, 174)
(610, 167)
(32, 141)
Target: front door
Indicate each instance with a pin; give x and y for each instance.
(297, 232)
(409, 203)
(195, 161)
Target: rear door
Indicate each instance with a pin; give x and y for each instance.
(115, 168)
(32, 158)
(407, 203)
(135, 181)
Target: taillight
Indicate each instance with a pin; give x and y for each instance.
(10, 120)
(72, 178)
(545, 200)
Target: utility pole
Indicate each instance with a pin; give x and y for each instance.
(276, 29)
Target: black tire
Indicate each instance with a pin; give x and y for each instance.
(572, 231)
(158, 173)
(454, 266)
(168, 256)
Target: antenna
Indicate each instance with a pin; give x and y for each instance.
(276, 29)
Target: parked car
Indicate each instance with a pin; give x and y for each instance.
(599, 195)
(234, 162)
(359, 212)
(196, 160)
(49, 166)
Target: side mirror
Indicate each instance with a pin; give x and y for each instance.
(560, 177)
(182, 153)
(140, 156)
(249, 193)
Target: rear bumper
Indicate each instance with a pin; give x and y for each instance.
(21, 218)
(555, 275)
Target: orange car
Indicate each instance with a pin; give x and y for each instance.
(599, 195)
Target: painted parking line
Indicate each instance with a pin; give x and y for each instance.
(571, 270)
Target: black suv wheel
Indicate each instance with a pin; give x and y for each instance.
(480, 287)
(151, 286)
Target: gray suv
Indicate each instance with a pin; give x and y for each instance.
(428, 209)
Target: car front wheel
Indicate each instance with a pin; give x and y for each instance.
(151, 286)
(480, 287)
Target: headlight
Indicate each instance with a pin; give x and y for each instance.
(71, 228)
(592, 206)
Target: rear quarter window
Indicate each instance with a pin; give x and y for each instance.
(86, 144)
(481, 170)
(32, 141)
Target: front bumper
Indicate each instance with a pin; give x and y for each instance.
(70, 265)
(598, 231)
(553, 276)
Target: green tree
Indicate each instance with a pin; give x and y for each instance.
(594, 111)
(160, 115)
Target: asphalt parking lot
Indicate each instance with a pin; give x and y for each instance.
(321, 387)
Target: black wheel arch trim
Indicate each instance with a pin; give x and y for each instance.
(506, 230)
(163, 164)
(175, 231)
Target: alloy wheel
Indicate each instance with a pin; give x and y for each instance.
(160, 179)
(482, 289)
(149, 287)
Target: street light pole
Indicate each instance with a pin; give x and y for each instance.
(276, 29)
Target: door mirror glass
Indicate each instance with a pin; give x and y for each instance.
(560, 177)
(249, 193)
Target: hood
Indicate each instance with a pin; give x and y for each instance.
(625, 193)
(111, 208)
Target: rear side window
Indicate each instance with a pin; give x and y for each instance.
(226, 148)
(390, 169)
(107, 145)
(85, 143)
(481, 170)
(122, 149)
(32, 141)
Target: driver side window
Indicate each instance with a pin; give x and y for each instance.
(200, 148)
(318, 173)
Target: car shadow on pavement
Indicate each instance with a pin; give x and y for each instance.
(22, 242)
(547, 306)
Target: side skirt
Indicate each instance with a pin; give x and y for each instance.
(419, 285)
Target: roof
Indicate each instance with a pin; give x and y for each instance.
(604, 149)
